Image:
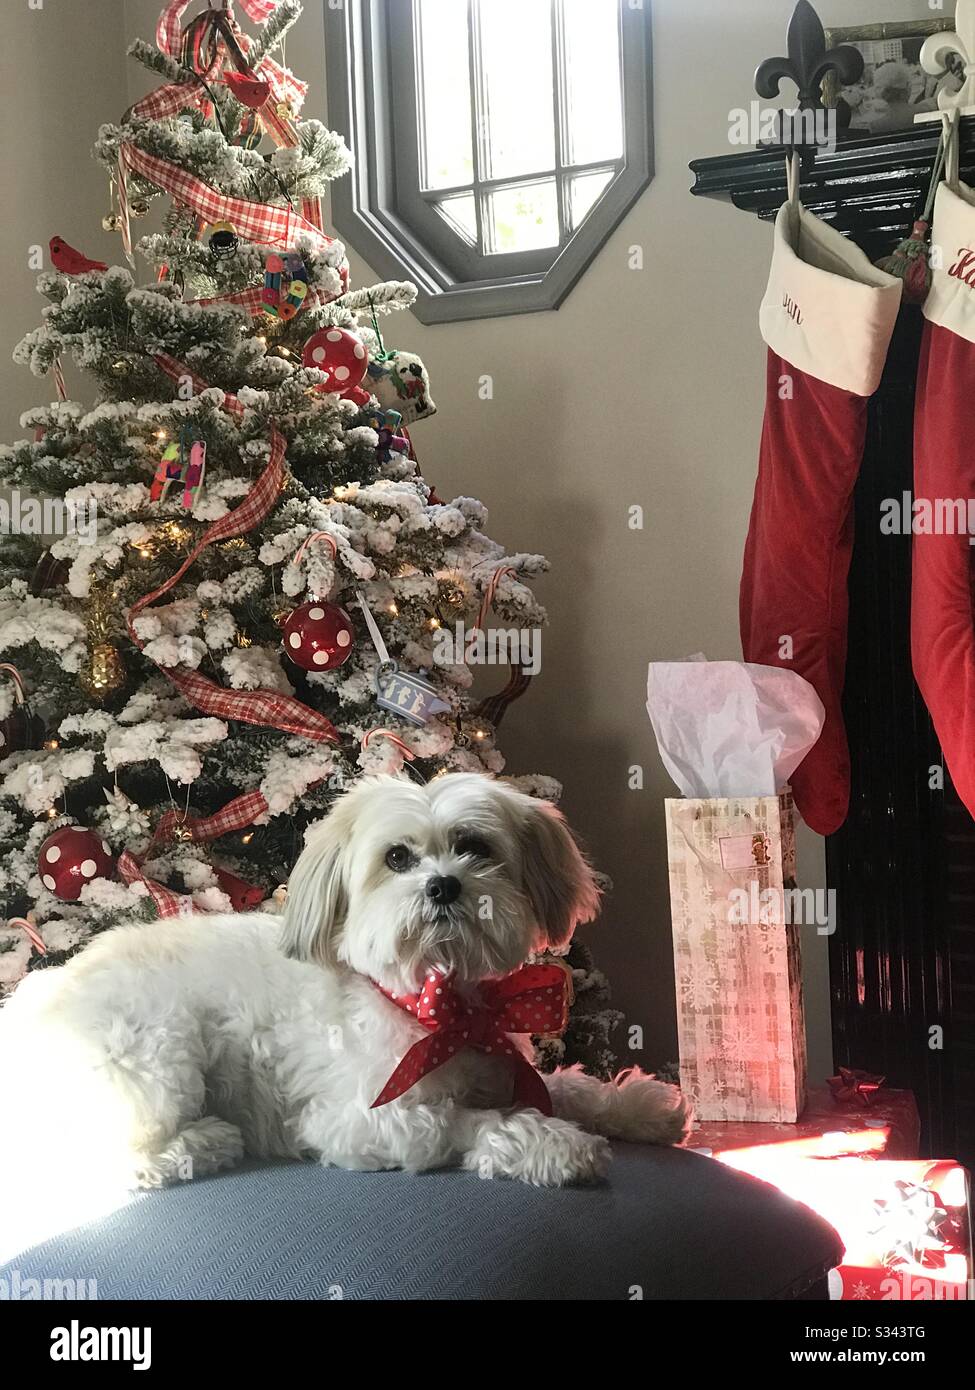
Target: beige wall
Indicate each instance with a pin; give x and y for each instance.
(645, 387)
(62, 73)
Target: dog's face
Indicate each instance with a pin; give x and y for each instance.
(466, 874)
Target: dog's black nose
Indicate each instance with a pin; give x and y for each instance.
(443, 890)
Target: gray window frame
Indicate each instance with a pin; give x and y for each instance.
(380, 209)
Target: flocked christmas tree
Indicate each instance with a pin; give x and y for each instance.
(244, 613)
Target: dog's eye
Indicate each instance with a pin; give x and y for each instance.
(472, 845)
(400, 858)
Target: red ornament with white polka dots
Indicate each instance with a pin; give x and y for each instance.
(72, 857)
(340, 355)
(319, 636)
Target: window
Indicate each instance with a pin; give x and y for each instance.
(498, 142)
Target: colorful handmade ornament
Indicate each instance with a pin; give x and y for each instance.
(285, 285)
(72, 857)
(21, 729)
(342, 357)
(169, 471)
(319, 636)
(183, 463)
(387, 423)
(65, 258)
(223, 241)
(194, 473)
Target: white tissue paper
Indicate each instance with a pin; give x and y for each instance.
(729, 728)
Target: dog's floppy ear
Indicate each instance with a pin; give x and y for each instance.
(316, 904)
(558, 880)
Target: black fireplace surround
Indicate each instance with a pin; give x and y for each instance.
(902, 959)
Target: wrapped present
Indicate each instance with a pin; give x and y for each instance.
(905, 1225)
(737, 965)
(886, 1127)
(858, 1283)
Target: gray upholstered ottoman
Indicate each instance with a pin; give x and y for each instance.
(666, 1225)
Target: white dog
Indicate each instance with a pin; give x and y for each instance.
(169, 1050)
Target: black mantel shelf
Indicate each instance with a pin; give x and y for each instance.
(870, 187)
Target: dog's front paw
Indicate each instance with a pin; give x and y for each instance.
(542, 1150)
(647, 1111)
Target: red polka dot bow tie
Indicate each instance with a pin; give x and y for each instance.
(531, 1000)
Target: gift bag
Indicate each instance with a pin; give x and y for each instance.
(731, 734)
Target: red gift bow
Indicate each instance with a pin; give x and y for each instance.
(852, 1086)
(531, 1000)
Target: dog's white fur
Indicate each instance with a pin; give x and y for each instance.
(170, 1050)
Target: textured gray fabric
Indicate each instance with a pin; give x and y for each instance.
(669, 1223)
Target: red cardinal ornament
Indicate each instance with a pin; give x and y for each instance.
(340, 355)
(244, 897)
(72, 857)
(72, 262)
(319, 636)
(249, 91)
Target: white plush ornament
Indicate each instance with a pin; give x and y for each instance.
(399, 381)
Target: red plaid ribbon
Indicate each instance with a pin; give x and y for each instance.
(168, 903)
(236, 815)
(259, 222)
(531, 1000)
(169, 32)
(251, 299)
(285, 90)
(311, 208)
(167, 101)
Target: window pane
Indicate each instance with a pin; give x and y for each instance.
(584, 189)
(523, 218)
(594, 97)
(461, 213)
(444, 93)
(516, 63)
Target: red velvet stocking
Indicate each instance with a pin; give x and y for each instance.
(827, 318)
